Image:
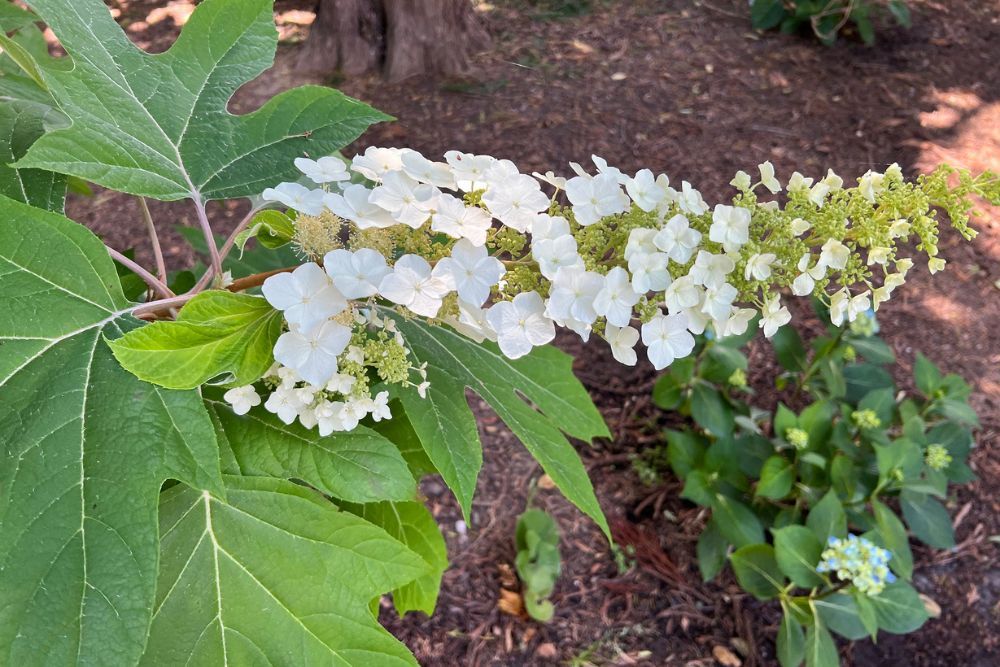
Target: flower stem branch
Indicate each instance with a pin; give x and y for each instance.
(226, 249)
(161, 267)
(213, 250)
(154, 283)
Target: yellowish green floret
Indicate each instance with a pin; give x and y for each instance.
(937, 457)
(866, 419)
(797, 438)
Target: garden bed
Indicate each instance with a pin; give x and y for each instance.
(687, 88)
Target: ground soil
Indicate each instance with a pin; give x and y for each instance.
(684, 87)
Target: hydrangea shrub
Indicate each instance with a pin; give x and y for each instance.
(802, 503)
(223, 468)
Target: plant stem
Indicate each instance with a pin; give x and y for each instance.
(153, 307)
(228, 245)
(147, 277)
(226, 248)
(161, 267)
(257, 279)
(213, 249)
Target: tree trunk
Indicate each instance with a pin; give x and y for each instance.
(400, 38)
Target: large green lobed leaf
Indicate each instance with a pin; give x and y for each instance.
(274, 575)
(537, 396)
(217, 335)
(27, 111)
(358, 466)
(157, 125)
(86, 447)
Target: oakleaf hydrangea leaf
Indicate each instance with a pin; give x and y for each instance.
(275, 575)
(412, 524)
(86, 448)
(157, 125)
(26, 113)
(359, 466)
(537, 396)
(217, 333)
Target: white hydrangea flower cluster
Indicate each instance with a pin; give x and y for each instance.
(475, 244)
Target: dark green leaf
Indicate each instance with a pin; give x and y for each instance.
(791, 644)
(86, 448)
(894, 538)
(839, 612)
(711, 550)
(926, 375)
(899, 609)
(711, 411)
(901, 12)
(158, 126)
(928, 519)
(737, 522)
(274, 574)
(882, 402)
(766, 14)
(797, 550)
(863, 378)
(720, 362)
(757, 571)
(358, 466)
(784, 419)
(537, 396)
(789, 349)
(827, 518)
(776, 478)
(668, 392)
(412, 524)
(271, 228)
(685, 451)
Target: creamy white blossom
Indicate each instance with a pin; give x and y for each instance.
(354, 205)
(242, 398)
(730, 227)
(516, 201)
(306, 296)
(376, 162)
(666, 338)
(357, 274)
(594, 198)
(572, 295)
(327, 169)
(409, 201)
(678, 239)
(472, 271)
(711, 270)
(645, 191)
(459, 221)
(616, 299)
(412, 283)
(774, 317)
(622, 341)
(313, 353)
(297, 197)
(520, 324)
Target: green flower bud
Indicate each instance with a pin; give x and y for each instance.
(866, 419)
(797, 438)
(937, 457)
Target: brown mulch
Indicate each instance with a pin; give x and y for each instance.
(687, 88)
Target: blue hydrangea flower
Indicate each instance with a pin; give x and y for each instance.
(859, 561)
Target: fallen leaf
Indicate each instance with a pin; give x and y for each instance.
(726, 657)
(932, 607)
(511, 603)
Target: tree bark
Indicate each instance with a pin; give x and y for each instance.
(400, 38)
